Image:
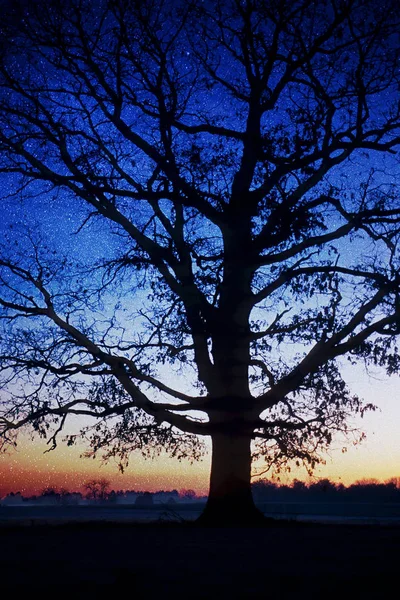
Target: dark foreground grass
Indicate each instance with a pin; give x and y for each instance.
(281, 560)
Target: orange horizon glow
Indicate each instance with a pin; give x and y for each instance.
(30, 483)
(28, 470)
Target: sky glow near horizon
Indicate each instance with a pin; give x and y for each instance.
(29, 470)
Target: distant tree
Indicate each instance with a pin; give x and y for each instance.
(49, 491)
(187, 494)
(394, 481)
(263, 490)
(323, 487)
(13, 499)
(373, 491)
(50, 495)
(366, 481)
(234, 159)
(96, 489)
(299, 486)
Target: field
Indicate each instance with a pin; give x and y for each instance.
(284, 559)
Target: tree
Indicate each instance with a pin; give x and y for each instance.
(187, 495)
(96, 489)
(237, 157)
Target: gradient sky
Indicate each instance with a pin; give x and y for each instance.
(29, 470)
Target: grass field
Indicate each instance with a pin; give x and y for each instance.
(283, 559)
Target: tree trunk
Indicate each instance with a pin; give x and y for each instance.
(230, 501)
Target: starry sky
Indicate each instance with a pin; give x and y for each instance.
(29, 469)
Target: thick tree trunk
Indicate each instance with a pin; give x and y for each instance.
(230, 501)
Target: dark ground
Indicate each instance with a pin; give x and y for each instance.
(283, 560)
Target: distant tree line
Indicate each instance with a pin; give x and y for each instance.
(97, 492)
(324, 490)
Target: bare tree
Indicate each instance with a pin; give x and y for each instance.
(239, 153)
(96, 489)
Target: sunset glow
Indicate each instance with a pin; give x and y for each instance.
(29, 469)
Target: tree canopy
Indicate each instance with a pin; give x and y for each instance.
(238, 157)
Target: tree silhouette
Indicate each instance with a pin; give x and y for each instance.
(237, 156)
(96, 489)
